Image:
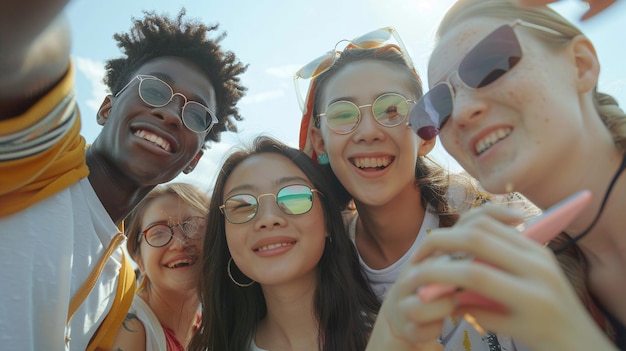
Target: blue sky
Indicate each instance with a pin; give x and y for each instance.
(277, 37)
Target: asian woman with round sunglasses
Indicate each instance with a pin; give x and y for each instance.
(165, 235)
(355, 125)
(539, 125)
(279, 271)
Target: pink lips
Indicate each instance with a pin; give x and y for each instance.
(273, 246)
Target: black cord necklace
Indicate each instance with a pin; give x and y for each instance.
(575, 239)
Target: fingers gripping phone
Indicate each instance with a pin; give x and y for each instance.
(541, 229)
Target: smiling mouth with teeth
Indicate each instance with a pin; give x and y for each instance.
(490, 140)
(154, 139)
(181, 263)
(372, 162)
(272, 246)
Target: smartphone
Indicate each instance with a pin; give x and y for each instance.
(541, 229)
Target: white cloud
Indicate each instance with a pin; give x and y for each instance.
(94, 72)
(263, 96)
(286, 71)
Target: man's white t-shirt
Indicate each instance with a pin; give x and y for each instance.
(47, 251)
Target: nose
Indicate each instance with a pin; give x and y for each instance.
(179, 242)
(179, 238)
(172, 112)
(368, 129)
(268, 214)
(468, 106)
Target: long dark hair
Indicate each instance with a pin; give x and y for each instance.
(345, 305)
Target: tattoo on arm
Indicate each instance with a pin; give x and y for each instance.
(127, 324)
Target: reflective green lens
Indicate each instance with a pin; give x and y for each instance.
(342, 116)
(390, 109)
(295, 199)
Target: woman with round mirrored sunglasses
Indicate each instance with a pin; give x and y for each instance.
(547, 131)
(157, 93)
(280, 269)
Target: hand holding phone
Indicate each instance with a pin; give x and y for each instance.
(541, 229)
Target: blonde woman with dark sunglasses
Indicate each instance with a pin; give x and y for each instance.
(514, 99)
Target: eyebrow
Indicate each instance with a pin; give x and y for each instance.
(353, 99)
(278, 182)
(168, 222)
(346, 98)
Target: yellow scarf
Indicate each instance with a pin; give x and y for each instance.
(27, 180)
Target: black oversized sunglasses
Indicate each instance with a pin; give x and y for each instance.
(485, 63)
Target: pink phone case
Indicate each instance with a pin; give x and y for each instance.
(541, 229)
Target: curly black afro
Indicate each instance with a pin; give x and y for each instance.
(156, 36)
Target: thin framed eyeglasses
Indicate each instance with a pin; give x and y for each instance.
(157, 93)
(160, 234)
(491, 58)
(296, 199)
(375, 39)
(389, 110)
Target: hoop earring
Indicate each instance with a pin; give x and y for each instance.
(230, 275)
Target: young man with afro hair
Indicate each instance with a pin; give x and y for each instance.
(66, 283)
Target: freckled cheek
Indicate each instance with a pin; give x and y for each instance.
(532, 100)
(518, 96)
(451, 143)
(526, 87)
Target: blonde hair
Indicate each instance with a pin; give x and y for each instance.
(572, 261)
